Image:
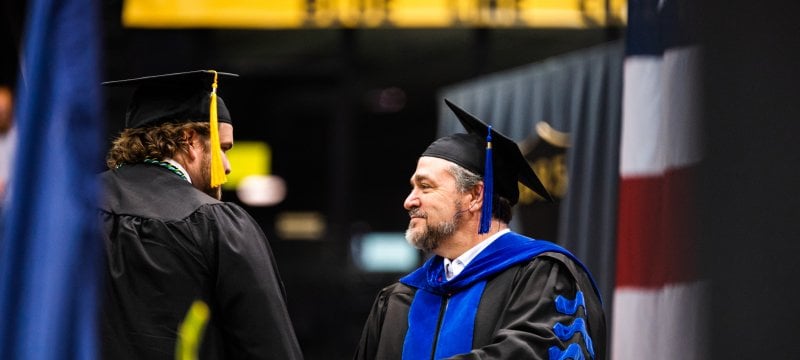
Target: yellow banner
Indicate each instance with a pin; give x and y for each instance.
(289, 14)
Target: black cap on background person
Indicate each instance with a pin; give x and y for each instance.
(492, 155)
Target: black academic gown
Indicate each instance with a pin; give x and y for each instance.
(515, 316)
(168, 244)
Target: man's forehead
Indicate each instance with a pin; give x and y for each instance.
(434, 163)
(432, 167)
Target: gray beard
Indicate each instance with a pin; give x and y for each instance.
(431, 237)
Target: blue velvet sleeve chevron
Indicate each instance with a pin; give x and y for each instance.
(573, 352)
(570, 307)
(566, 332)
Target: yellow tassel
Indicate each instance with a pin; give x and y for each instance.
(190, 333)
(217, 169)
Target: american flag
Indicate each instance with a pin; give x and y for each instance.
(659, 296)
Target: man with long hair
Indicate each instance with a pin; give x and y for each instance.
(170, 242)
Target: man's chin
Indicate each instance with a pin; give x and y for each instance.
(412, 237)
(419, 240)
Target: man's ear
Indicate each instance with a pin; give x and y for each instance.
(192, 143)
(477, 197)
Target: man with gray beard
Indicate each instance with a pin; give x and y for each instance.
(488, 292)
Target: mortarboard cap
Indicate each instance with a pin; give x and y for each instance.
(180, 97)
(501, 163)
(176, 97)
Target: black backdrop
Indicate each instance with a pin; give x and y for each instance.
(308, 93)
(302, 91)
(749, 202)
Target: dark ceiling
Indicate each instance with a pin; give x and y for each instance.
(310, 93)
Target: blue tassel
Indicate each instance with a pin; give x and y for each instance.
(488, 187)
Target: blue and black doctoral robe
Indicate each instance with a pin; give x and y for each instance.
(518, 299)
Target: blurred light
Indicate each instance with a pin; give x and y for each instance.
(307, 225)
(261, 190)
(387, 100)
(384, 252)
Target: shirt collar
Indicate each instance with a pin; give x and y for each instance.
(178, 165)
(453, 268)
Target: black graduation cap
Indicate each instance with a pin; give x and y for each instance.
(490, 154)
(180, 97)
(176, 97)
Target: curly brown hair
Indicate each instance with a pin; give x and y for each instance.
(155, 142)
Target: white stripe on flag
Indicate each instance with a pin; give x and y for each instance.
(660, 113)
(664, 323)
(641, 152)
(681, 76)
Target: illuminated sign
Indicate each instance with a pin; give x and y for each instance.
(288, 14)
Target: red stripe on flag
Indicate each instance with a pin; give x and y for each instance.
(656, 230)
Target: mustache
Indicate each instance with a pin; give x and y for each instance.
(416, 212)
